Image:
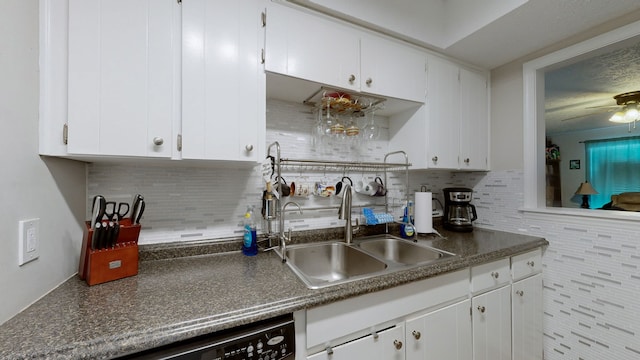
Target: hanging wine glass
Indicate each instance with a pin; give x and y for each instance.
(371, 131)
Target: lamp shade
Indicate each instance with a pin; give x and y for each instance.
(586, 189)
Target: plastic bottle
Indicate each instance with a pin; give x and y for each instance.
(249, 243)
(406, 228)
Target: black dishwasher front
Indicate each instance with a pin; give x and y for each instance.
(272, 339)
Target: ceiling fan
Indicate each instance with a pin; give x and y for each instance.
(629, 112)
(626, 109)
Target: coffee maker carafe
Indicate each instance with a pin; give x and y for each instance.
(458, 212)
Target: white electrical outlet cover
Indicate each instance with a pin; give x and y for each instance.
(28, 238)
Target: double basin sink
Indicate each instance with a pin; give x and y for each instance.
(331, 263)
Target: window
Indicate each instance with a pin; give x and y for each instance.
(613, 167)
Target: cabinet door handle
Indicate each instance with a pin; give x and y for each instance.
(466, 161)
(482, 309)
(352, 78)
(369, 81)
(520, 292)
(249, 147)
(531, 263)
(329, 350)
(434, 159)
(495, 274)
(397, 344)
(416, 334)
(158, 141)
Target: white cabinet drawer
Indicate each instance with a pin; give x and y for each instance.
(526, 264)
(487, 276)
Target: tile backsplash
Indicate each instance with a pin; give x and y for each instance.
(185, 203)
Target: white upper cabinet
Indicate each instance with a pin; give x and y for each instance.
(223, 96)
(323, 50)
(451, 131)
(313, 48)
(474, 123)
(121, 77)
(392, 69)
(443, 114)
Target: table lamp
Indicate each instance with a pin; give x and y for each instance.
(585, 189)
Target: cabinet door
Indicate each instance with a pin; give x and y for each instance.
(527, 318)
(311, 47)
(443, 114)
(122, 77)
(387, 345)
(223, 99)
(389, 68)
(441, 334)
(492, 325)
(474, 121)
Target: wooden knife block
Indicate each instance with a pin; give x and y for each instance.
(120, 261)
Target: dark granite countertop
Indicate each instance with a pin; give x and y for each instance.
(177, 298)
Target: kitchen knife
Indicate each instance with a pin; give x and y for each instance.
(135, 206)
(139, 212)
(104, 234)
(95, 239)
(116, 232)
(97, 210)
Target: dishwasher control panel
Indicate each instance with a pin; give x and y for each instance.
(272, 339)
(275, 343)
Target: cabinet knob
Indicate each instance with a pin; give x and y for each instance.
(466, 161)
(249, 147)
(329, 350)
(158, 141)
(481, 308)
(520, 292)
(495, 274)
(434, 159)
(416, 334)
(352, 78)
(531, 263)
(369, 81)
(397, 344)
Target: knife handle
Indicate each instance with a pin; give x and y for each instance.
(95, 239)
(135, 207)
(140, 211)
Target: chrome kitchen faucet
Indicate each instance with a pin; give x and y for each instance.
(283, 238)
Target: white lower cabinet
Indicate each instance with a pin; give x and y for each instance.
(492, 325)
(485, 312)
(387, 344)
(441, 334)
(526, 326)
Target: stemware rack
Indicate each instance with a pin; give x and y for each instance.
(280, 163)
(336, 102)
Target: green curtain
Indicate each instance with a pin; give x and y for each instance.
(613, 167)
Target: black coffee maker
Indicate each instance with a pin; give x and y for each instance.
(458, 212)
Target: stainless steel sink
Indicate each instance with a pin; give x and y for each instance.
(401, 251)
(324, 264)
(330, 263)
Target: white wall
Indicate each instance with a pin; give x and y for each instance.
(591, 284)
(31, 187)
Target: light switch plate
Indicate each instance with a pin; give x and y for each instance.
(29, 238)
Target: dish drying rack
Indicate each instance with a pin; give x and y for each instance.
(329, 165)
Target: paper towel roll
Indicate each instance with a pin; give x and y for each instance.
(423, 213)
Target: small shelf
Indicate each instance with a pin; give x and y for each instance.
(339, 102)
(322, 165)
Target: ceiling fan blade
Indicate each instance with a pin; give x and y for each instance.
(604, 107)
(589, 114)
